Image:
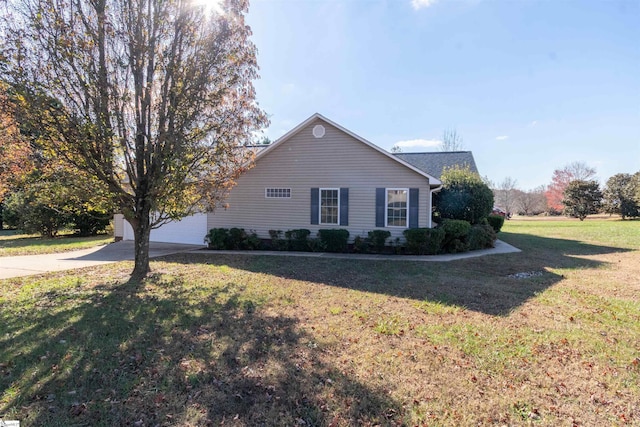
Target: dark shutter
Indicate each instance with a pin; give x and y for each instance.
(315, 206)
(380, 196)
(344, 206)
(414, 204)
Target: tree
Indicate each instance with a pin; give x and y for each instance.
(619, 197)
(561, 179)
(264, 141)
(16, 154)
(464, 196)
(582, 198)
(580, 171)
(634, 185)
(396, 149)
(45, 194)
(532, 202)
(505, 194)
(154, 98)
(451, 141)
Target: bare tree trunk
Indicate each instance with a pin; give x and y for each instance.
(141, 233)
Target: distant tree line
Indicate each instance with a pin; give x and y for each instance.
(574, 192)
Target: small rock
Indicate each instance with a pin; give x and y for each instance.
(525, 275)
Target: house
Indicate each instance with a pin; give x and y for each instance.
(321, 175)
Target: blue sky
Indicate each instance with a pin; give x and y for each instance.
(529, 85)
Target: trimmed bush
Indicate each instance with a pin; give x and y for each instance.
(236, 238)
(456, 233)
(297, 239)
(455, 228)
(232, 239)
(481, 236)
(360, 245)
(278, 243)
(217, 238)
(496, 222)
(252, 242)
(316, 245)
(377, 239)
(334, 240)
(424, 241)
(464, 196)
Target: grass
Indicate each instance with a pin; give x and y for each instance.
(14, 243)
(255, 340)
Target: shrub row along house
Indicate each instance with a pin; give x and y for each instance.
(322, 176)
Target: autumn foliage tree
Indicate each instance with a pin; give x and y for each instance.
(153, 98)
(561, 179)
(16, 155)
(40, 193)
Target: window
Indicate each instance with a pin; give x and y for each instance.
(397, 207)
(329, 206)
(277, 193)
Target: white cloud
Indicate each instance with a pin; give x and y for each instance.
(419, 4)
(502, 137)
(418, 143)
(533, 123)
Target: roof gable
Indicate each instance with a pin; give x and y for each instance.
(433, 180)
(436, 162)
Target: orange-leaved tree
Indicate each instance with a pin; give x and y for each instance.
(561, 179)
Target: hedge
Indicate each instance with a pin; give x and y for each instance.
(424, 241)
(334, 240)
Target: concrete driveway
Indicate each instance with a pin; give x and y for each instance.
(26, 265)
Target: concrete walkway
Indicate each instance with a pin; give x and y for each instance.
(26, 265)
(500, 248)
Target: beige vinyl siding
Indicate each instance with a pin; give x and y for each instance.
(303, 162)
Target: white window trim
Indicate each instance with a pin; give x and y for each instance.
(320, 207)
(276, 188)
(386, 207)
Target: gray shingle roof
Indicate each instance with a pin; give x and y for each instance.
(434, 163)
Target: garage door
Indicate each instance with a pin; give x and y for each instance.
(190, 230)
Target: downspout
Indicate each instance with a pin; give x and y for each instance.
(430, 217)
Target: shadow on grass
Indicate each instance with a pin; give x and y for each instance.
(164, 353)
(484, 284)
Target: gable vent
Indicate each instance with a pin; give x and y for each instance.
(318, 131)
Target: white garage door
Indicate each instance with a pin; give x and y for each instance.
(190, 230)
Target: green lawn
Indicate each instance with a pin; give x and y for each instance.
(257, 340)
(13, 243)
